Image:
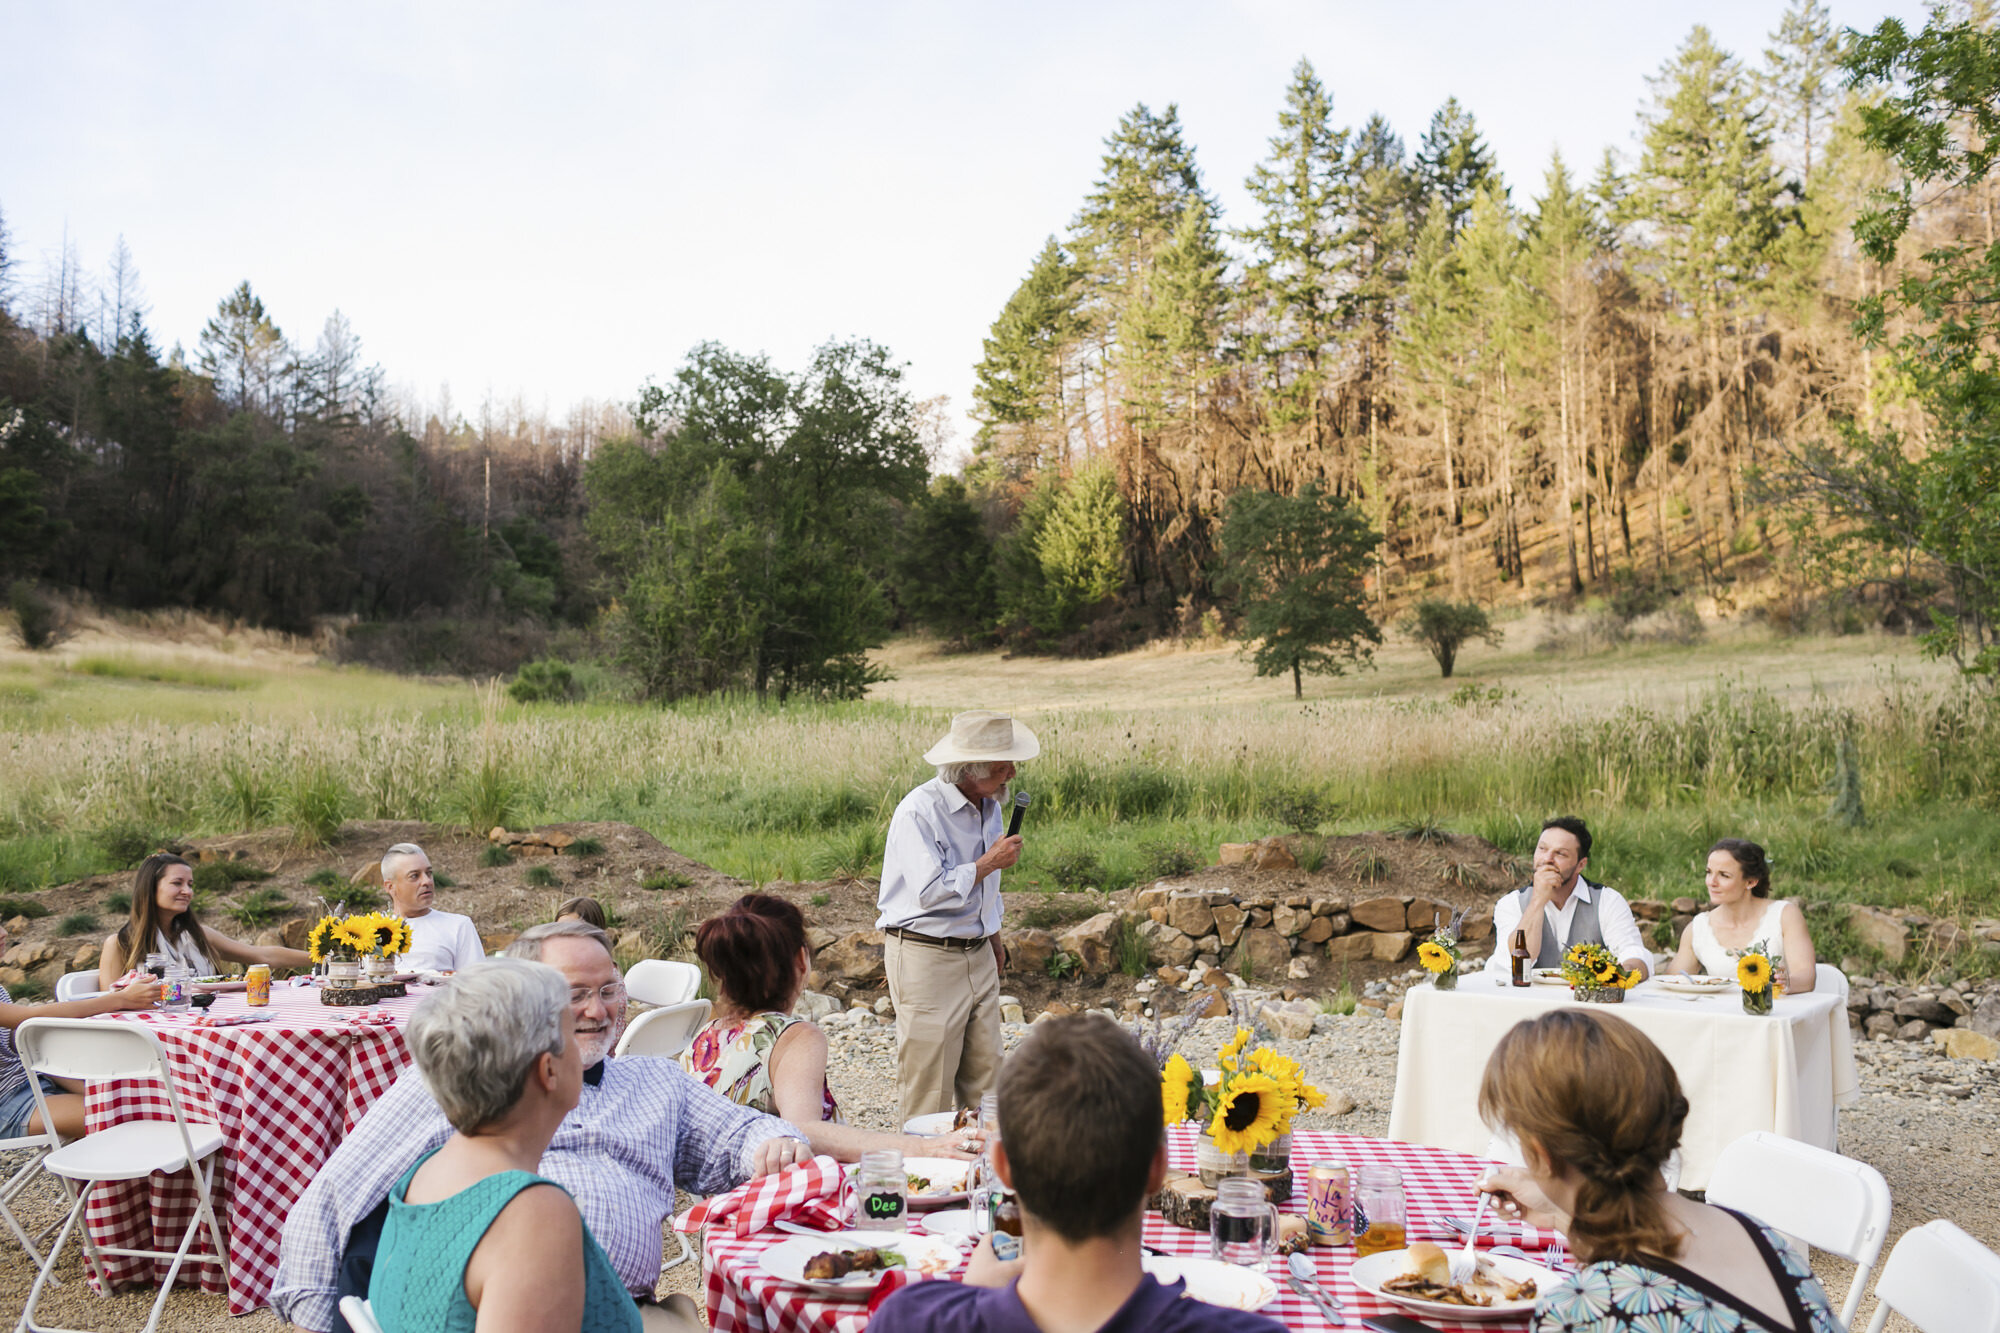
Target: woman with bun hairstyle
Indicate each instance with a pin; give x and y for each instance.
(1742, 914)
(1596, 1109)
(163, 921)
(758, 1053)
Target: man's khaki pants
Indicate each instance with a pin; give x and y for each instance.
(947, 1023)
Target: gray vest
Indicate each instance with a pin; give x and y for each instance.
(1583, 927)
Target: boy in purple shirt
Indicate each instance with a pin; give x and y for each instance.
(1082, 1143)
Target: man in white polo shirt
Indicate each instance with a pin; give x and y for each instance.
(439, 941)
(1560, 907)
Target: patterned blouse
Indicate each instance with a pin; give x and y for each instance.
(1663, 1297)
(730, 1055)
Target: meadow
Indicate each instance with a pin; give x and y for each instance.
(123, 741)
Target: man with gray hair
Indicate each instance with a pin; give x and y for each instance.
(641, 1127)
(940, 909)
(440, 941)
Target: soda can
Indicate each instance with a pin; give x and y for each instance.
(257, 984)
(1329, 1205)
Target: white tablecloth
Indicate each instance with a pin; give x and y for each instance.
(1788, 1073)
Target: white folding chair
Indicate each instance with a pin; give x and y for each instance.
(76, 986)
(360, 1315)
(1941, 1280)
(82, 1049)
(1825, 1200)
(662, 981)
(664, 1031)
(37, 1146)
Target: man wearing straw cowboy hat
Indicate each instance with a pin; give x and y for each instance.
(940, 905)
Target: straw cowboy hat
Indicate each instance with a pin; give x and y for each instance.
(980, 737)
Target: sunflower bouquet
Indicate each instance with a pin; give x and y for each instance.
(1250, 1107)
(348, 938)
(1594, 973)
(1756, 973)
(1439, 954)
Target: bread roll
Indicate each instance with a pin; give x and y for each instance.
(1426, 1261)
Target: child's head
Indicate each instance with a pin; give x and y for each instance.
(583, 909)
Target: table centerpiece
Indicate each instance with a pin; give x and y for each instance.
(1595, 975)
(1756, 973)
(1439, 954)
(357, 951)
(1249, 1110)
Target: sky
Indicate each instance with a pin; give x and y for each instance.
(553, 203)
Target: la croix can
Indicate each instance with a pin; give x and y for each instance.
(1329, 1205)
(257, 985)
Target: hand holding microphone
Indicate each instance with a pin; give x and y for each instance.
(1004, 853)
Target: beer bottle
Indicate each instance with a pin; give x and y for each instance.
(1518, 951)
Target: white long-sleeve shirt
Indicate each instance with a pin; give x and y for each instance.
(928, 869)
(441, 942)
(1614, 921)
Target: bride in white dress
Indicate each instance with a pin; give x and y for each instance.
(1741, 914)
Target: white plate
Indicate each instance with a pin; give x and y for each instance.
(924, 1255)
(937, 1122)
(950, 1222)
(1369, 1274)
(1548, 976)
(1702, 985)
(946, 1174)
(1212, 1281)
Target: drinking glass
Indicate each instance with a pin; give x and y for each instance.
(882, 1192)
(1381, 1212)
(984, 1182)
(1242, 1224)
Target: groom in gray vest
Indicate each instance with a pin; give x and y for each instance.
(1560, 907)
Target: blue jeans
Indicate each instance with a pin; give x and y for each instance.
(18, 1105)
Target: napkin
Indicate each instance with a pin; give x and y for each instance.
(227, 1020)
(381, 1017)
(808, 1194)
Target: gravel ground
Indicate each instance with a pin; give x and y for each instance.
(1931, 1125)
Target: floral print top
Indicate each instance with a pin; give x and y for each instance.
(1663, 1297)
(731, 1055)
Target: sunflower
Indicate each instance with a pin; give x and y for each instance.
(1175, 1080)
(399, 936)
(1629, 980)
(1251, 1113)
(1226, 1057)
(350, 933)
(323, 939)
(1435, 957)
(1310, 1098)
(1606, 972)
(1753, 973)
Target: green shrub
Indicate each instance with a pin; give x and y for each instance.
(27, 907)
(442, 880)
(1463, 874)
(1130, 948)
(660, 880)
(126, 845)
(120, 902)
(1167, 860)
(251, 798)
(495, 854)
(261, 908)
(1366, 866)
(40, 621)
(585, 846)
(540, 877)
(488, 797)
(1062, 964)
(29, 992)
(544, 682)
(221, 876)
(365, 898)
(1054, 913)
(820, 899)
(1422, 830)
(78, 923)
(326, 877)
(851, 855)
(1310, 854)
(1300, 809)
(315, 804)
(1076, 869)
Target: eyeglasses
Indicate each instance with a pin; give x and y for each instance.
(609, 995)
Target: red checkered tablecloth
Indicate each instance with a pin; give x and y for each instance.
(284, 1092)
(742, 1298)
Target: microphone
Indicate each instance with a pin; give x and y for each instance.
(1021, 800)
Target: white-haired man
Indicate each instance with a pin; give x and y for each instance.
(940, 909)
(440, 941)
(641, 1126)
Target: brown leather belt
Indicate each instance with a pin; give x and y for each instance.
(944, 942)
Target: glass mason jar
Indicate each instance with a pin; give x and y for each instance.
(1758, 1001)
(1274, 1158)
(1381, 1212)
(1447, 979)
(881, 1192)
(1214, 1165)
(1242, 1224)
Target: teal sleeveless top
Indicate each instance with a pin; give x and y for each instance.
(419, 1277)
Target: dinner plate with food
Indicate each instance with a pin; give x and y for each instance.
(1548, 976)
(937, 1122)
(1419, 1280)
(1696, 984)
(935, 1181)
(1213, 1282)
(220, 984)
(852, 1262)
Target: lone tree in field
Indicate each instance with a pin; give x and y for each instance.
(1297, 562)
(1445, 627)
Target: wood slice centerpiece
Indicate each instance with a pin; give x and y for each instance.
(361, 995)
(1184, 1201)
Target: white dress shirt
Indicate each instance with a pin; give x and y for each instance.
(935, 837)
(441, 942)
(1614, 922)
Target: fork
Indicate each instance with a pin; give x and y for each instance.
(1466, 1262)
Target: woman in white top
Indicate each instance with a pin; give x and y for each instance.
(163, 922)
(1742, 913)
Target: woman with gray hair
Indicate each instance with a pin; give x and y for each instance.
(475, 1238)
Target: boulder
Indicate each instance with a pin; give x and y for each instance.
(1423, 915)
(1478, 925)
(1172, 976)
(1394, 1013)
(1289, 1020)
(1299, 969)
(1190, 914)
(1876, 928)
(1956, 1002)
(855, 958)
(1914, 1030)
(1055, 1009)
(815, 1005)
(1260, 917)
(1093, 943)
(1986, 1017)
(1148, 898)
(1949, 937)
(1338, 1103)
(1341, 923)
(492, 943)
(1010, 1011)
(1235, 853)
(1380, 914)
(1165, 946)
(17, 925)
(1262, 954)
(370, 875)
(1272, 854)
(1649, 909)
(1209, 943)
(1318, 931)
(1290, 921)
(1927, 1008)
(296, 930)
(87, 957)
(1392, 945)
(1207, 1004)
(1229, 919)
(1685, 906)
(1028, 951)
(1965, 1044)
(1880, 1025)
(1328, 906)
(1352, 948)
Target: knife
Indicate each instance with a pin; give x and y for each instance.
(1319, 1298)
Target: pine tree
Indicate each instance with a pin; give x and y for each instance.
(1561, 250)
(1801, 80)
(1453, 164)
(1023, 409)
(242, 351)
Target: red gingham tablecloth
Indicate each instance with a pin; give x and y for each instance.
(284, 1092)
(742, 1298)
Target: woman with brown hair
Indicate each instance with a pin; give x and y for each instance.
(163, 922)
(1743, 915)
(1596, 1109)
(758, 1053)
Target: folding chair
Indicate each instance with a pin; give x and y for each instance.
(37, 1146)
(360, 1315)
(84, 1049)
(664, 1031)
(660, 981)
(1822, 1198)
(1941, 1280)
(76, 986)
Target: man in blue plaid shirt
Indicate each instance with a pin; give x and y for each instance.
(641, 1127)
